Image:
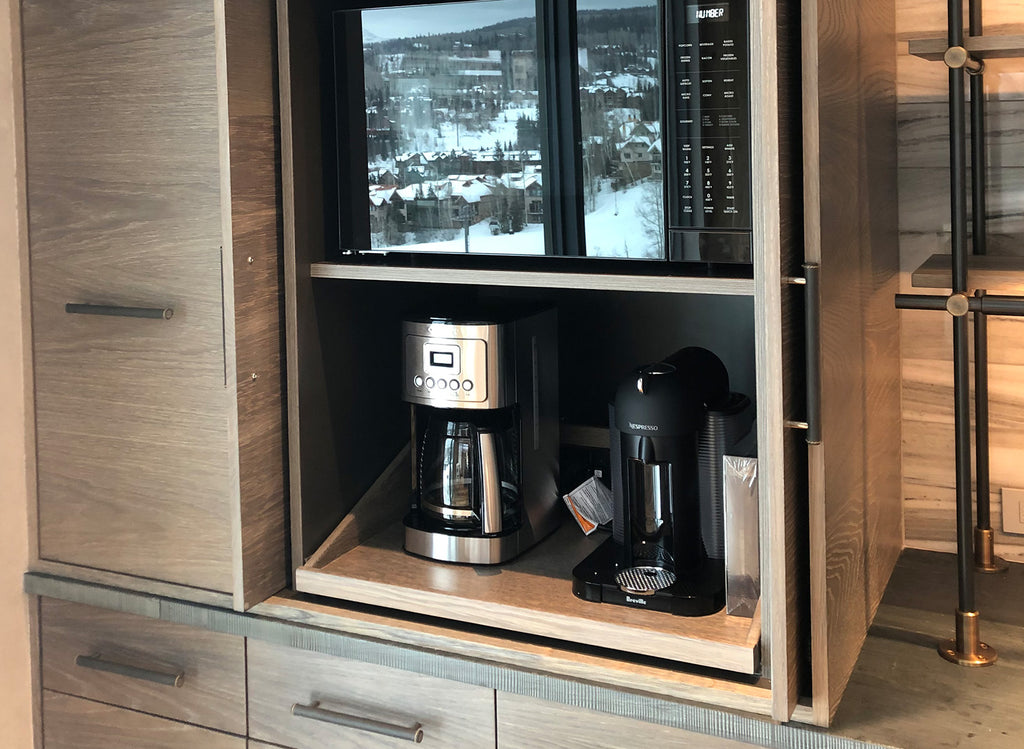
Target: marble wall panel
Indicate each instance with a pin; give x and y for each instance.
(924, 202)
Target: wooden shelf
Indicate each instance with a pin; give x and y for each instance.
(538, 279)
(983, 47)
(989, 272)
(363, 561)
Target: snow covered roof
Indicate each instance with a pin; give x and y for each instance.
(471, 190)
(381, 195)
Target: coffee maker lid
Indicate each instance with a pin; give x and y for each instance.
(670, 397)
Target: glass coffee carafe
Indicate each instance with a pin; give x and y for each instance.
(468, 473)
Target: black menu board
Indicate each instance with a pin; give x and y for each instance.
(709, 131)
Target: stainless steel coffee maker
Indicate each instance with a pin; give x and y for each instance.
(484, 395)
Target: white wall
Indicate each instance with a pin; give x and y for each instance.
(15, 666)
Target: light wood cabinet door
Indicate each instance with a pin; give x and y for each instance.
(308, 700)
(124, 200)
(158, 667)
(75, 723)
(528, 722)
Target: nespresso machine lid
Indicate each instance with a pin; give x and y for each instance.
(669, 398)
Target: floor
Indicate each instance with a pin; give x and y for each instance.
(903, 694)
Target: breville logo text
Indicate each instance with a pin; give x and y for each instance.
(641, 601)
(645, 427)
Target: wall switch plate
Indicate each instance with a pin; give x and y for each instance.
(1013, 510)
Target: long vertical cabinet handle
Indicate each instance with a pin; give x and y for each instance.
(152, 313)
(133, 672)
(315, 712)
(812, 341)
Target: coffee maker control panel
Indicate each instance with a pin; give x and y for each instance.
(452, 365)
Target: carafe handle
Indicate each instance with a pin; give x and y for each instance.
(490, 484)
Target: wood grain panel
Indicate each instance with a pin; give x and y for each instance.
(995, 273)
(539, 279)
(926, 81)
(930, 336)
(928, 446)
(855, 508)
(261, 567)
(123, 200)
(532, 594)
(776, 145)
(529, 722)
(74, 723)
(923, 19)
(212, 693)
(313, 472)
(532, 657)
(451, 714)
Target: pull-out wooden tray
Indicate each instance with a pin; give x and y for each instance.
(363, 561)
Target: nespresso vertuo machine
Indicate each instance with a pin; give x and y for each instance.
(664, 553)
(484, 390)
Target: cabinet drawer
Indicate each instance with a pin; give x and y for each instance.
(74, 723)
(285, 681)
(525, 721)
(128, 660)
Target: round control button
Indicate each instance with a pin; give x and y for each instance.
(454, 384)
(417, 381)
(467, 385)
(442, 384)
(430, 382)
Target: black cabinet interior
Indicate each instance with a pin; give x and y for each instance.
(602, 336)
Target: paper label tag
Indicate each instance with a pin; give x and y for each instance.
(591, 504)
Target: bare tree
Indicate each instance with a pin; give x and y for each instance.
(651, 213)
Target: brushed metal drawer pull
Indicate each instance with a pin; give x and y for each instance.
(315, 712)
(153, 313)
(132, 672)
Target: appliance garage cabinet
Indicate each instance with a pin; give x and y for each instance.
(808, 331)
(184, 184)
(155, 285)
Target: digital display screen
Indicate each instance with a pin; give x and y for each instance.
(442, 359)
(718, 13)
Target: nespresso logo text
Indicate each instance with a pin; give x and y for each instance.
(641, 601)
(645, 427)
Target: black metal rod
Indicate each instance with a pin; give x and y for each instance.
(979, 234)
(1006, 306)
(920, 301)
(958, 179)
(812, 332)
(974, 17)
(955, 22)
(961, 357)
(979, 239)
(962, 426)
(981, 452)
